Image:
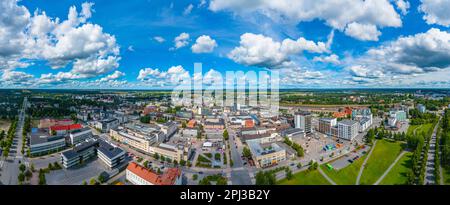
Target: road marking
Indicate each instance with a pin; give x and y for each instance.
(1, 163)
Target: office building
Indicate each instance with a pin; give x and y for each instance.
(80, 135)
(79, 154)
(42, 143)
(110, 155)
(107, 124)
(325, 125)
(138, 136)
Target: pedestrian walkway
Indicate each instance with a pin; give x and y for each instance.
(390, 167)
(326, 176)
(365, 162)
(430, 167)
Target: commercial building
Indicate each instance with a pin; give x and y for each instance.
(348, 129)
(79, 154)
(42, 143)
(266, 154)
(80, 135)
(293, 132)
(399, 115)
(302, 120)
(172, 152)
(138, 136)
(110, 155)
(325, 125)
(216, 124)
(168, 128)
(106, 124)
(139, 175)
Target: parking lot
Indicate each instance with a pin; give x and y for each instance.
(76, 176)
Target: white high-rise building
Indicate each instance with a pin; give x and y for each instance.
(302, 120)
(348, 129)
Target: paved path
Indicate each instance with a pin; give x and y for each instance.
(326, 176)
(430, 167)
(364, 164)
(390, 167)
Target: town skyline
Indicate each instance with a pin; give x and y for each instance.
(152, 44)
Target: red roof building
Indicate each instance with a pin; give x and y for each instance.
(191, 123)
(65, 127)
(140, 175)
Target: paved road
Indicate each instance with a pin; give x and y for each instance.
(326, 176)
(10, 165)
(239, 175)
(364, 163)
(390, 167)
(429, 173)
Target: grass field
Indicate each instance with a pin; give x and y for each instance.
(346, 175)
(446, 175)
(382, 157)
(305, 178)
(420, 128)
(397, 175)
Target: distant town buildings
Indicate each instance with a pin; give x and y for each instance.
(106, 124)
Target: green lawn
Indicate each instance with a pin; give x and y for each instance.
(397, 175)
(420, 128)
(446, 175)
(382, 157)
(346, 175)
(305, 178)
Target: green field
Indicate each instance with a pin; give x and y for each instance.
(397, 175)
(446, 175)
(305, 178)
(420, 128)
(346, 175)
(382, 157)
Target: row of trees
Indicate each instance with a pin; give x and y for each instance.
(7, 141)
(298, 148)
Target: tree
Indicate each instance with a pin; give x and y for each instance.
(183, 124)
(225, 135)
(22, 167)
(246, 152)
(299, 165)
(156, 156)
(93, 182)
(265, 178)
(84, 182)
(289, 174)
(28, 174)
(101, 178)
(146, 164)
(194, 177)
(50, 166)
(21, 177)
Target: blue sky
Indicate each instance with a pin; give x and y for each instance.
(381, 43)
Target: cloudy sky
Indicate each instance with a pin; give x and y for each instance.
(155, 43)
